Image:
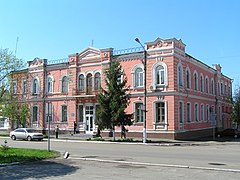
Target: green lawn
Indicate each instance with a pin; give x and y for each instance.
(9, 155)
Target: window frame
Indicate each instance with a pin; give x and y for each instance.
(81, 82)
(158, 112)
(138, 77)
(49, 85)
(201, 83)
(24, 86)
(180, 75)
(35, 112)
(181, 112)
(64, 113)
(89, 82)
(35, 86)
(202, 112)
(139, 114)
(196, 112)
(188, 78)
(189, 112)
(195, 78)
(207, 84)
(97, 81)
(14, 87)
(64, 85)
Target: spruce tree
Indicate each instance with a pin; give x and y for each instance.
(113, 100)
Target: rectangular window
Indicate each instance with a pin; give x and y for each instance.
(196, 112)
(181, 112)
(14, 85)
(139, 112)
(188, 112)
(64, 113)
(24, 86)
(35, 114)
(48, 112)
(208, 112)
(160, 112)
(202, 112)
(80, 110)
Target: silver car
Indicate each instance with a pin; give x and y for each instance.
(26, 133)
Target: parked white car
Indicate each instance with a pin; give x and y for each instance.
(26, 133)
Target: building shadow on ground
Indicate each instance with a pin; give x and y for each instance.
(38, 169)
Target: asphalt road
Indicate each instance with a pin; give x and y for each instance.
(91, 160)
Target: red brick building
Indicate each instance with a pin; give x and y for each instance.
(183, 93)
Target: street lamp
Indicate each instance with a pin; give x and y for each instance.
(145, 91)
(49, 114)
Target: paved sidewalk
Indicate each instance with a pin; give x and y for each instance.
(152, 141)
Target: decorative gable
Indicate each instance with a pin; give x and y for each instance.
(36, 62)
(89, 53)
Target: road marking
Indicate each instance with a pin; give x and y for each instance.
(156, 164)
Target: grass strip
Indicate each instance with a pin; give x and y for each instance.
(11, 155)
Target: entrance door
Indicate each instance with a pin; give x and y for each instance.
(89, 119)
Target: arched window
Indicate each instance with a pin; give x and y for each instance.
(212, 87)
(35, 87)
(49, 85)
(89, 82)
(201, 83)
(207, 85)
(81, 83)
(139, 77)
(219, 92)
(97, 81)
(195, 82)
(188, 79)
(64, 84)
(160, 75)
(180, 75)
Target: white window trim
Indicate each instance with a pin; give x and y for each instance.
(14, 87)
(182, 112)
(202, 83)
(190, 112)
(134, 108)
(195, 83)
(62, 114)
(188, 70)
(196, 115)
(154, 83)
(37, 88)
(61, 85)
(207, 84)
(84, 82)
(95, 72)
(35, 122)
(24, 80)
(178, 78)
(133, 72)
(50, 76)
(212, 86)
(202, 112)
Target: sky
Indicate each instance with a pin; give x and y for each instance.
(53, 29)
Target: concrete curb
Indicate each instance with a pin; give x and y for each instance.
(9, 164)
(156, 164)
